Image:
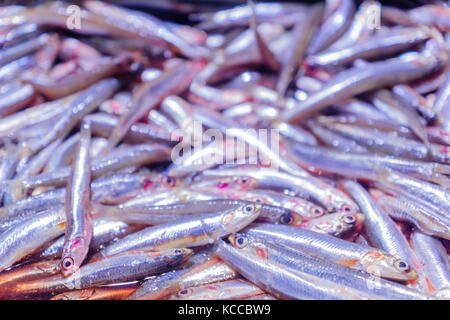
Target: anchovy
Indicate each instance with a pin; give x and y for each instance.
(363, 166)
(28, 236)
(104, 231)
(359, 80)
(300, 262)
(79, 225)
(320, 191)
(200, 269)
(335, 250)
(281, 282)
(191, 232)
(434, 259)
(119, 268)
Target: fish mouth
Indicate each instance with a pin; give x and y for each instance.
(232, 238)
(411, 275)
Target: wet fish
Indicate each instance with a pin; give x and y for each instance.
(120, 268)
(191, 232)
(335, 250)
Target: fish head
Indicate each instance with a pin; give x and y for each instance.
(338, 224)
(48, 267)
(207, 292)
(240, 217)
(73, 255)
(246, 243)
(84, 294)
(387, 266)
(245, 183)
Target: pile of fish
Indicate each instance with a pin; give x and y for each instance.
(262, 151)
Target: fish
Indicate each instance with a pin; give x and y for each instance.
(30, 272)
(433, 258)
(335, 250)
(326, 195)
(240, 15)
(81, 106)
(119, 268)
(302, 34)
(340, 224)
(117, 160)
(224, 150)
(79, 226)
(27, 237)
(159, 214)
(298, 262)
(102, 293)
(57, 88)
(226, 290)
(14, 52)
(380, 230)
(335, 22)
(174, 80)
(430, 195)
(191, 232)
(364, 166)
(403, 209)
(104, 231)
(372, 47)
(201, 269)
(281, 282)
(359, 80)
(14, 97)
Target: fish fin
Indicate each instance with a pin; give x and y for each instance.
(348, 262)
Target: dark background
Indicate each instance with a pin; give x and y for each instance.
(178, 10)
(405, 4)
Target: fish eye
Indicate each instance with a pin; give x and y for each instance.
(346, 208)
(169, 181)
(185, 292)
(67, 263)
(249, 209)
(349, 219)
(258, 200)
(286, 219)
(241, 241)
(401, 265)
(317, 212)
(244, 181)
